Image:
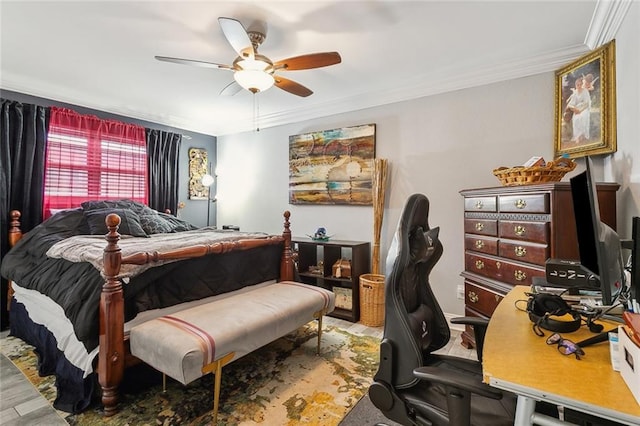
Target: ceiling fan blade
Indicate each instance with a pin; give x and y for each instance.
(312, 60)
(237, 37)
(193, 62)
(231, 89)
(291, 86)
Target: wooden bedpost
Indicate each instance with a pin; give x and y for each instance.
(15, 233)
(111, 356)
(286, 264)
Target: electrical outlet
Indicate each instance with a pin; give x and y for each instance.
(460, 291)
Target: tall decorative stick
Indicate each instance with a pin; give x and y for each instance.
(379, 186)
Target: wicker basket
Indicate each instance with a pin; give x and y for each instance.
(551, 172)
(372, 299)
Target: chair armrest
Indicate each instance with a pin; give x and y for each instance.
(479, 330)
(474, 321)
(457, 380)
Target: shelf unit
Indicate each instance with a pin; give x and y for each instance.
(311, 252)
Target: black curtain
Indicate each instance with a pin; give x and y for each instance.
(23, 136)
(163, 149)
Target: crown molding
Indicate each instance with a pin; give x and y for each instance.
(605, 22)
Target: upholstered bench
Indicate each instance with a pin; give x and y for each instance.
(199, 340)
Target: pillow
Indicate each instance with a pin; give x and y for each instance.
(129, 222)
(134, 206)
(67, 222)
(148, 218)
(177, 224)
(153, 223)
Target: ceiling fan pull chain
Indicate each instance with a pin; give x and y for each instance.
(255, 114)
(256, 111)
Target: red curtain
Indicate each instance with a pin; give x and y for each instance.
(92, 159)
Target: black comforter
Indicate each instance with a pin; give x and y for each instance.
(76, 287)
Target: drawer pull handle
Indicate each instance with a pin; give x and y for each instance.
(479, 226)
(497, 297)
(520, 203)
(479, 205)
(473, 297)
(520, 251)
(520, 275)
(479, 264)
(498, 265)
(479, 244)
(519, 230)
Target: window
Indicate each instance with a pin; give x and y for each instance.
(90, 159)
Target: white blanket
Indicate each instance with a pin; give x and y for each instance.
(90, 248)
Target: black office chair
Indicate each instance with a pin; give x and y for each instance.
(414, 386)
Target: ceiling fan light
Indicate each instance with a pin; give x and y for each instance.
(254, 80)
(253, 64)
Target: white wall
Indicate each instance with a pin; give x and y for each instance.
(436, 145)
(624, 166)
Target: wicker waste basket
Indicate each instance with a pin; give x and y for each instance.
(372, 299)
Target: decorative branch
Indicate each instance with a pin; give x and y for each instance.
(379, 187)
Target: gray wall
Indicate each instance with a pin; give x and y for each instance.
(195, 211)
(436, 145)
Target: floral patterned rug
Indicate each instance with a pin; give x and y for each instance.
(283, 383)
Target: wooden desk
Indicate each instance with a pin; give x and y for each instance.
(517, 360)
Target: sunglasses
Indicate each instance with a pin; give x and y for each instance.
(565, 346)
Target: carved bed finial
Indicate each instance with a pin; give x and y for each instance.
(112, 352)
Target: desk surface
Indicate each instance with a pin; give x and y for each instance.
(516, 359)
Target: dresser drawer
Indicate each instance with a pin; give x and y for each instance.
(480, 204)
(537, 232)
(481, 226)
(536, 203)
(501, 269)
(480, 299)
(516, 274)
(482, 265)
(481, 244)
(524, 251)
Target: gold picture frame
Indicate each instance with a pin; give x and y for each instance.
(585, 112)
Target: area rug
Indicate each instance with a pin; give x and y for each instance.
(283, 383)
(365, 413)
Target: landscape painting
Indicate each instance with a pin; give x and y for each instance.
(332, 166)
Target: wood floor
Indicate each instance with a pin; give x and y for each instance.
(21, 404)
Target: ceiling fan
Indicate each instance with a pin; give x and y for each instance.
(255, 72)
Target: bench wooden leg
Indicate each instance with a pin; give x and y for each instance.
(319, 334)
(216, 368)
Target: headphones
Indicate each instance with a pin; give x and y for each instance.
(542, 306)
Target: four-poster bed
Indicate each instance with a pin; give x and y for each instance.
(188, 268)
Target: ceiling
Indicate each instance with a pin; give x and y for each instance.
(100, 54)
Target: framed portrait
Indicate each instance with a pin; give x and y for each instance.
(585, 112)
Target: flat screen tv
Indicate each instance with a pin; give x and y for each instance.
(599, 245)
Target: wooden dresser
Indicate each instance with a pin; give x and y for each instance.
(509, 233)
